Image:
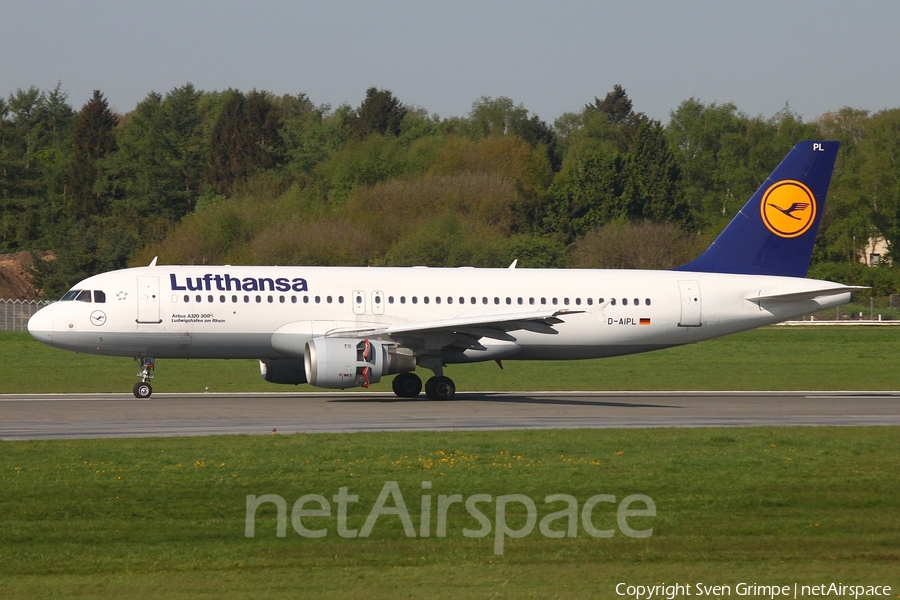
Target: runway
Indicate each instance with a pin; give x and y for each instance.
(68, 416)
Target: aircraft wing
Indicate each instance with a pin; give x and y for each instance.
(461, 332)
(807, 295)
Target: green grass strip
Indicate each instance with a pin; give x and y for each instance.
(775, 358)
(166, 517)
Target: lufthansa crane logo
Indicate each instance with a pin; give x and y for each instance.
(788, 208)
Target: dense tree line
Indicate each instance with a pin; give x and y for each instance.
(237, 177)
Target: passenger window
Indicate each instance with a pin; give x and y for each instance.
(566, 301)
(484, 300)
(590, 301)
(612, 302)
(234, 299)
(415, 300)
(578, 301)
(246, 299)
(210, 299)
(425, 300)
(281, 299)
(340, 299)
(199, 298)
(187, 298)
(390, 299)
(519, 300)
(319, 300)
(624, 301)
(509, 300)
(647, 301)
(99, 296)
(437, 299)
(402, 299)
(555, 302)
(258, 299)
(601, 301)
(222, 299)
(328, 299)
(531, 301)
(84, 296)
(637, 302)
(293, 299)
(305, 299)
(496, 300)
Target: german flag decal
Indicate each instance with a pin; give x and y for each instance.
(644, 322)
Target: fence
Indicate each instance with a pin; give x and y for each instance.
(14, 314)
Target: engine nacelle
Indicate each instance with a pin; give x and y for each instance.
(283, 370)
(346, 363)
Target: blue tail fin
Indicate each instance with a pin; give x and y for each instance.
(774, 232)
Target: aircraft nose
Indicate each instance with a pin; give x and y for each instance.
(40, 325)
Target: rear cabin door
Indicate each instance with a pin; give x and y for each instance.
(690, 304)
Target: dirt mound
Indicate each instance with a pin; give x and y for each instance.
(15, 280)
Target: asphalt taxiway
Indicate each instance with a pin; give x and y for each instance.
(62, 416)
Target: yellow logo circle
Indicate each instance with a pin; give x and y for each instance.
(788, 208)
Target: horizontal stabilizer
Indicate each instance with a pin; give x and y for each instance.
(808, 295)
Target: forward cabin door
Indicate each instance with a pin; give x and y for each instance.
(690, 304)
(148, 300)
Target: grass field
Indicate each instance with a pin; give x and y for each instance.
(775, 358)
(167, 517)
(145, 518)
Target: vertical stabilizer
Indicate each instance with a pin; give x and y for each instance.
(774, 232)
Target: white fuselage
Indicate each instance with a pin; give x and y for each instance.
(269, 312)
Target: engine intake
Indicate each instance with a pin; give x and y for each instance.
(345, 363)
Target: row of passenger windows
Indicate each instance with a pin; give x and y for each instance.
(415, 300)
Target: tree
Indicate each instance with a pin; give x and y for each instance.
(616, 105)
(35, 141)
(496, 116)
(186, 146)
(245, 139)
(93, 138)
(589, 195)
(652, 177)
(379, 113)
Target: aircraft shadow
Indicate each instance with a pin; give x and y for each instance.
(466, 397)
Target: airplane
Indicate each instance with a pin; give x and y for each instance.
(346, 327)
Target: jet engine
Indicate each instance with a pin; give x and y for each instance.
(283, 370)
(346, 363)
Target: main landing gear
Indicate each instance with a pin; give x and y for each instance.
(408, 385)
(142, 389)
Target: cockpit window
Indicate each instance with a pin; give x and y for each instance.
(70, 295)
(84, 296)
(99, 296)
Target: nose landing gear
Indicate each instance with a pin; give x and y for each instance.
(142, 389)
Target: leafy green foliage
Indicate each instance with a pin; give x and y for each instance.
(237, 177)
